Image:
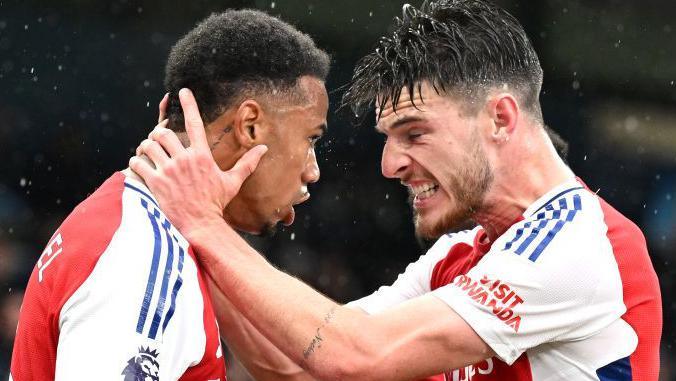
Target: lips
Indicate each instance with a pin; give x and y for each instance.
(288, 219)
(303, 198)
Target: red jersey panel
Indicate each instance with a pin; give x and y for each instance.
(117, 295)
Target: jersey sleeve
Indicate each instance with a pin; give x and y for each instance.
(413, 282)
(139, 314)
(549, 278)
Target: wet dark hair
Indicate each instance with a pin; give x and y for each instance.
(461, 47)
(238, 53)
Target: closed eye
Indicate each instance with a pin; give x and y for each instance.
(414, 134)
(314, 139)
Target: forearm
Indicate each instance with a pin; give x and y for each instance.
(309, 328)
(262, 359)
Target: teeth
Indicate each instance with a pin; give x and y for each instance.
(424, 190)
(426, 194)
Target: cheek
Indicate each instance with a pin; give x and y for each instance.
(295, 160)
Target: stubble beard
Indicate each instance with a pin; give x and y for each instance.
(468, 187)
(269, 230)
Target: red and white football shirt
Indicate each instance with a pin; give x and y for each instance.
(117, 295)
(567, 293)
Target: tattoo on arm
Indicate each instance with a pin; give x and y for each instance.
(316, 341)
(220, 136)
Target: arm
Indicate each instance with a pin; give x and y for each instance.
(328, 340)
(265, 361)
(418, 338)
(260, 357)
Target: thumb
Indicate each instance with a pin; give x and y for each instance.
(244, 167)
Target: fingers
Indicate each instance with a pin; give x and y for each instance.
(163, 108)
(245, 166)
(161, 124)
(193, 121)
(168, 140)
(154, 151)
(142, 166)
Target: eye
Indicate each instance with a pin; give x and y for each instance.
(414, 135)
(314, 139)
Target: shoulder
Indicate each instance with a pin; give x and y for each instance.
(447, 252)
(75, 247)
(451, 256)
(572, 223)
(562, 246)
(118, 217)
(447, 242)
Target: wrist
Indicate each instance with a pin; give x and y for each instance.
(201, 231)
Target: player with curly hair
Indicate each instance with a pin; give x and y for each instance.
(117, 294)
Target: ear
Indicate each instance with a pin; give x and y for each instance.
(504, 112)
(249, 126)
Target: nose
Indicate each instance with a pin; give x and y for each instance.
(394, 162)
(311, 172)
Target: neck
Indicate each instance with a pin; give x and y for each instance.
(514, 189)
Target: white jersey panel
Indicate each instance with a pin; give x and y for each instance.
(141, 307)
(415, 280)
(594, 352)
(551, 278)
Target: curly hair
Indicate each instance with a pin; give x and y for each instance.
(238, 53)
(458, 46)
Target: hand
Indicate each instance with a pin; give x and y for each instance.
(189, 186)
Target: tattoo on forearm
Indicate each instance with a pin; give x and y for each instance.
(220, 136)
(316, 341)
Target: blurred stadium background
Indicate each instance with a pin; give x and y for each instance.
(80, 81)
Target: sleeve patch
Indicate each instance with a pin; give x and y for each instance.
(498, 298)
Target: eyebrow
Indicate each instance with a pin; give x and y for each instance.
(403, 121)
(324, 127)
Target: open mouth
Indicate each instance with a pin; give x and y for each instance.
(423, 191)
(304, 196)
(288, 219)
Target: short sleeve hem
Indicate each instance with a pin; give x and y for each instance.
(479, 323)
(370, 304)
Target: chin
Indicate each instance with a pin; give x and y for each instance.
(433, 227)
(268, 230)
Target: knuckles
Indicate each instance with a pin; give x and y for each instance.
(160, 133)
(145, 145)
